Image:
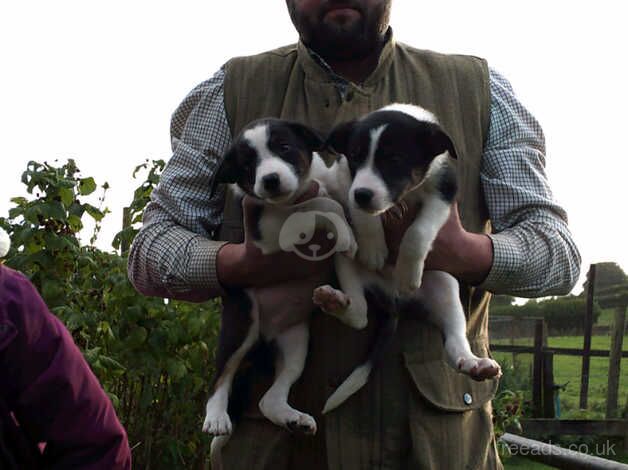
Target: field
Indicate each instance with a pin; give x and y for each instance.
(567, 370)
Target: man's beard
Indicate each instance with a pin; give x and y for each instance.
(337, 40)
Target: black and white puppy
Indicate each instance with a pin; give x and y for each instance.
(400, 155)
(274, 162)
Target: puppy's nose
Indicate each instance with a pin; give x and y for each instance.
(271, 182)
(363, 196)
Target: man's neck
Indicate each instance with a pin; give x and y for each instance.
(357, 70)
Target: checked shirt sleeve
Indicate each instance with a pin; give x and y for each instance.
(534, 254)
(174, 255)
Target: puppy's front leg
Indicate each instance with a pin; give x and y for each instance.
(417, 242)
(369, 233)
(292, 347)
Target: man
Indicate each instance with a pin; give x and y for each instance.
(48, 392)
(506, 235)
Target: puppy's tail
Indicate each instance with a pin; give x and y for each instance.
(5, 243)
(215, 455)
(360, 375)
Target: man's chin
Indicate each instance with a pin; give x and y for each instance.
(342, 18)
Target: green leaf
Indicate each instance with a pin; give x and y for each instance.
(137, 337)
(20, 201)
(75, 223)
(54, 210)
(176, 369)
(67, 196)
(51, 291)
(87, 186)
(94, 212)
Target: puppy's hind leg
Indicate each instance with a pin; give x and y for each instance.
(440, 297)
(239, 332)
(292, 347)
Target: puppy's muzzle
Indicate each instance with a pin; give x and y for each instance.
(363, 197)
(271, 182)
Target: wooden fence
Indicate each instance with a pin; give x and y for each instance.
(543, 422)
(543, 386)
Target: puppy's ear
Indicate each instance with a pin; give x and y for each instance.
(312, 139)
(227, 171)
(436, 140)
(338, 138)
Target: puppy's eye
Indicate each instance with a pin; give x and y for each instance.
(284, 148)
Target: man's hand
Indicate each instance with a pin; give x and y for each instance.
(466, 255)
(244, 264)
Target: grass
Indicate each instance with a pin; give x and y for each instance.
(606, 318)
(568, 369)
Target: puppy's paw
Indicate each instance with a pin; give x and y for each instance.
(217, 423)
(338, 304)
(331, 300)
(302, 423)
(282, 414)
(480, 368)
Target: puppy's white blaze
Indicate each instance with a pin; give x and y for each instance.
(366, 177)
(416, 112)
(352, 384)
(258, 138)
(375, 134)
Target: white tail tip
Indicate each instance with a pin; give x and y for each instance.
(352, 384)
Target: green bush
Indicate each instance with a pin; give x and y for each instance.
(153, 357)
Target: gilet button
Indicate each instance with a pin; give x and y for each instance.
(467, 398)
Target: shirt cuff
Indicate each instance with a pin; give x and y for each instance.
(202, 272)
(506, 264)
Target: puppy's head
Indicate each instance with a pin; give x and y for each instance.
(270, 159)
(389, 152)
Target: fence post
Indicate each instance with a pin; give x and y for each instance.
(548, 386)
(537, 370)
(614, 362)
(586, 349)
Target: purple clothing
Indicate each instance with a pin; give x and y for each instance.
(50, 389)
